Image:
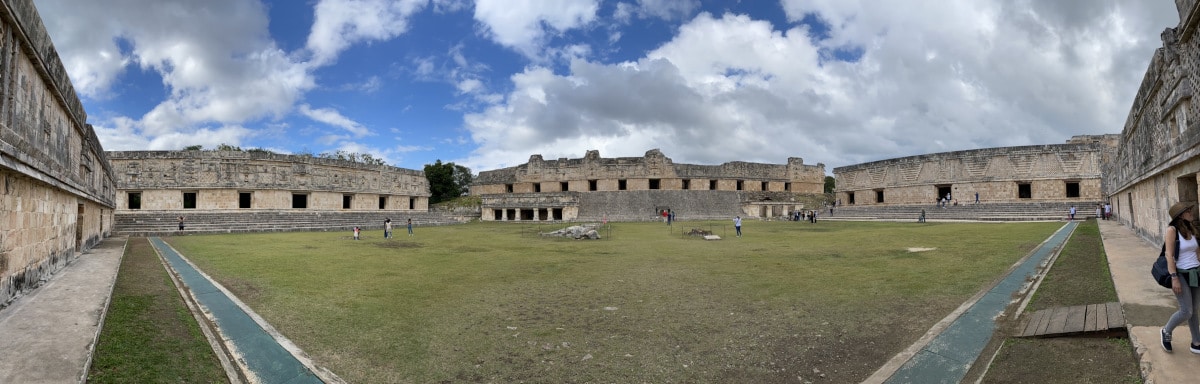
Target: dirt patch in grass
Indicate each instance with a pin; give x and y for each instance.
(149, 335)
(397, 245)
(1079, 276)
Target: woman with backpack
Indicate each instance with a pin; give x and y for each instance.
(1184, 266)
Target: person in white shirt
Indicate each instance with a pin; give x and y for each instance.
(1179, 241)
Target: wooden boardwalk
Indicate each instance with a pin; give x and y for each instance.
(1064, 321)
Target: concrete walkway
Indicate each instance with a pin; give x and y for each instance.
(48, 335)
(1147, 306)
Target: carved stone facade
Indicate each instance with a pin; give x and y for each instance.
(206, 181)
(1040, 173)
(632, 188)
(1159, 154)
(56, 185)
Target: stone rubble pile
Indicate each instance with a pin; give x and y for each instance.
(577, 232)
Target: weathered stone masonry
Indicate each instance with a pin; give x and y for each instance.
(1039, 173)
(633, 188)
(56, 185)
(1159, 154)
(206, 181)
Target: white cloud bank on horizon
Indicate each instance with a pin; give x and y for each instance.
(933, 76)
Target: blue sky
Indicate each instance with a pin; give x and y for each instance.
(487, 83)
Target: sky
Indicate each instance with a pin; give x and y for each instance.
(487, 83)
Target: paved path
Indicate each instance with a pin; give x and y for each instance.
(946, 353)
(254, 345)
(48, 335)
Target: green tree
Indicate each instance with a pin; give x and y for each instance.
(446, 180)
(830, 184)
(227, 147)
(193, 147)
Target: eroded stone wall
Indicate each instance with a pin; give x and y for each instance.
(1062, 172)
(56, 185)
(1158, 158)
(636, 184)
(162, 180)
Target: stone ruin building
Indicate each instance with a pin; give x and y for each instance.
(56, 185)
(1159, 154)
(1061, 173)
(639, 188)
(234, 191)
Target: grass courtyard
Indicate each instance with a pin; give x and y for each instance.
(491, 303)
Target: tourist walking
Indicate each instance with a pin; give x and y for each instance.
(737, 225)
(1179, 243)
(410, 227)
(921, 219)
(976, 197)
(180, 223)
(1107, 210)
(1072, 212)
(356, 230)
(387, 228)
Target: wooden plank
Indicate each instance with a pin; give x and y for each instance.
(1045, 323)
(1101, 317)
(1075, 318)
(1058, 321)
(1089, 318)
(1034, 320)
(1116, 318)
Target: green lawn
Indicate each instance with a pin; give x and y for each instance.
(488, 302)
(149, 336)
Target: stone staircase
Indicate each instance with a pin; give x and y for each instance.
(167, 223)
(1032, 211)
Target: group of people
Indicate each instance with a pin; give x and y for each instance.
(809, 216)
(668, 216)
(387, 229)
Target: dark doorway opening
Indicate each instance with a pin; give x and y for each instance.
(244, 199)
(189, 200)
(299, 201)
(942, 191)
(347, 201)
(382, 202)
(135, 200)
(879, 196)
(1072, 189)
(1024, 191)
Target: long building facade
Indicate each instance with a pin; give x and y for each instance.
(1068, 172)
(56, 184)
(639, 188)
(1158, 158)
(234, 181)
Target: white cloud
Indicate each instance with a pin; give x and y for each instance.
(523, 24)
(890, 80)
(341, 23)
(216, 60)
(333, 117)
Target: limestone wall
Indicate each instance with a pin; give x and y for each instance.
(1062, 172)
(56, 186)
(162, 180)
(1158, 159)
(654, 171)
